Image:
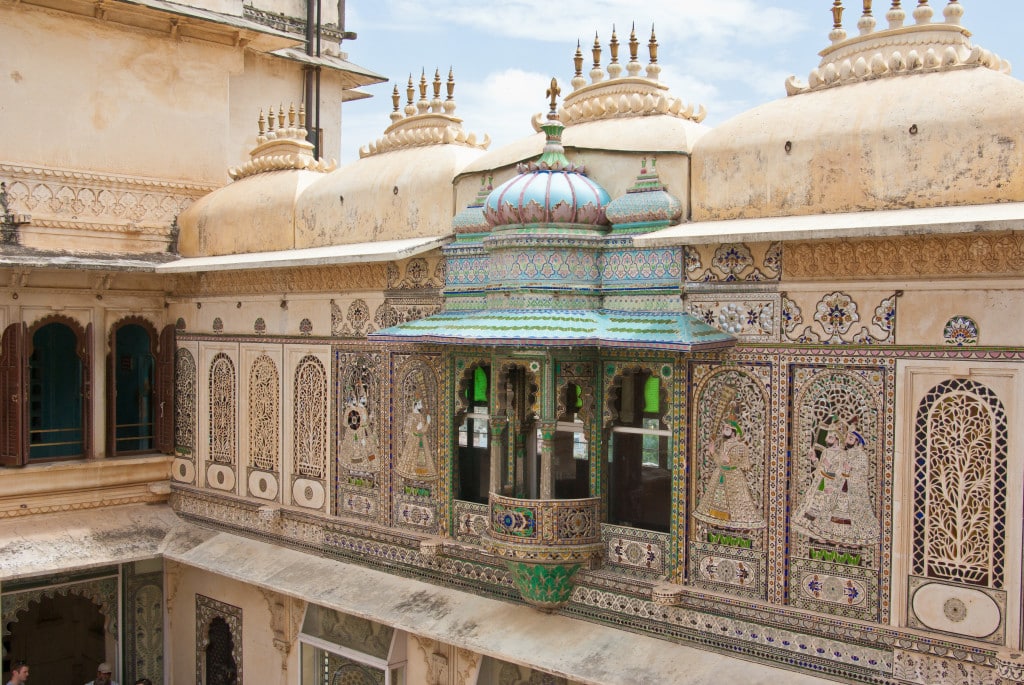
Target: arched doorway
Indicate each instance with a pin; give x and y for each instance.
(62, 637)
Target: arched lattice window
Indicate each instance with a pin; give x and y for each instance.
(184, 402)
(264, 413)
(960, 453)
(222, 409)
(310, 418)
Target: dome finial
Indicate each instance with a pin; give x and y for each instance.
(837, 34)
(867, 23)
(653, 69)
(596, 73)
(422, 105)
(634, 45)
(923, 12)
(896, 16)
(614, 68)
(954, 12)
(553, 92)
(449, 103)
(578, 81)
(435, 103)
(396, 98)
(410, 91)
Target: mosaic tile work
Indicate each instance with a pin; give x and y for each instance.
(960, 331)
(733, 262)
(751, 317)
(834, 588)
(731, 569)
(635, 552)
(471, 520)
(837, 319)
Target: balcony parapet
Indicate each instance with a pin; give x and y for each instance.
(544, 543)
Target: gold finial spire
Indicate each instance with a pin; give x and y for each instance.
(437, 83)
(302, 115)
(409, 91)
(577, 59)
(596, 51)
(395, 98)
(451, 83)
(837, 14)
(653, 69)
(291, 115)
(553, 92)
(270, 119)
(613, 47)
(280, 115)
(634, 44)
(262, 122)
(423, 84)
(867, 8)
(896, 4)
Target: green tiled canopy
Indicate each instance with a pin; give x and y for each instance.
(560, 328)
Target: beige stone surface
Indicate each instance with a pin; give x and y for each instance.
(922, 140)
(388, 196)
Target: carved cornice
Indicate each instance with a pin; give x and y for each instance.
(967, 255)
(92, 178)
(625, 97)
(923, 48)
(420, 131)
(297, 280)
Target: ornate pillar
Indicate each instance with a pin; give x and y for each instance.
(497, 425)
(547, 450)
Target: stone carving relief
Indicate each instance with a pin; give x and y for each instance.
(352, 322)
(961, 443)
(222, 409)
(310, 418)
(102, 592)
(323, 279)
(836, 320)
(67, 199)
(941, 256)
(227, 659)
(184, 404)
(264, 414)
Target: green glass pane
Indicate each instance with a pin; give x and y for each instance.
(479, 385)
(578, 394)
(652, 399)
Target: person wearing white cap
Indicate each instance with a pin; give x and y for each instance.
(103, 675)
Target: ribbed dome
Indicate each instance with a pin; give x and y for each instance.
(550, 190)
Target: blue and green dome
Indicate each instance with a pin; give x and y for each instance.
(548, 191)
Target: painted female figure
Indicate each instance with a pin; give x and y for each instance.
(416, 460)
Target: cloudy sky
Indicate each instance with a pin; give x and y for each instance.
(729, 55)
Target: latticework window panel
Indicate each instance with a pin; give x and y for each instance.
(184, 402)
(960, 450)
(264, 413)
(222, 409)
(310, 418)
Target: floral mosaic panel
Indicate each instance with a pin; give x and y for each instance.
(750, 317)
(731, 569)
(415, 442)
(471, 520)
(960, 331)
(733, 262)
(837, 318)
(839, 589)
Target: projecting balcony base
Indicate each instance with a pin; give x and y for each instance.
(544, 543)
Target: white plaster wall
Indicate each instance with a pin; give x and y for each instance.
(261, 663)
(103, 98)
